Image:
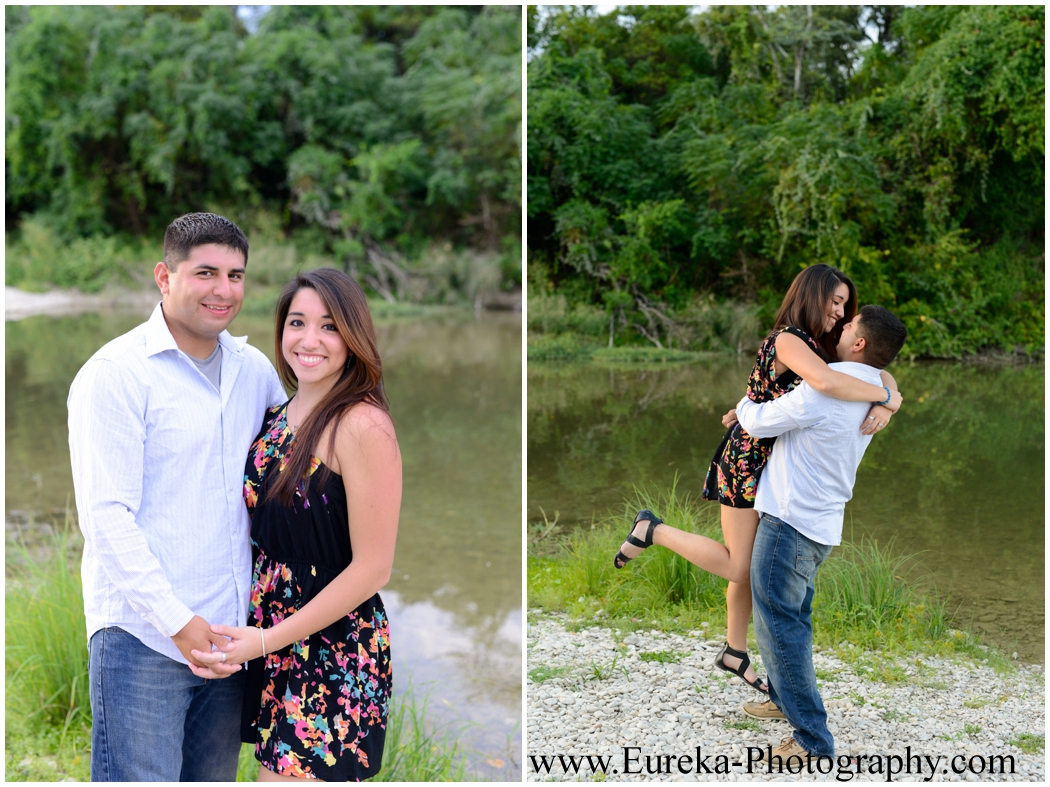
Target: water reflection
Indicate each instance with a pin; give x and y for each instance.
(454, 384)
(958, 475)
(467, 674)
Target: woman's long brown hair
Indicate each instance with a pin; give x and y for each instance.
(361, 381)
(806, 304)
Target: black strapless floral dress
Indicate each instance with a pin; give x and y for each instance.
(317, 708)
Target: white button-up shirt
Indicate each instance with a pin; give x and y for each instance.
(811, 472)
(158, 461)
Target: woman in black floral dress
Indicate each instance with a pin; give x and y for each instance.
(323, 486)
(818, 303)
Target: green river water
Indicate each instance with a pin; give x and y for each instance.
(958, 476)
(454, 383)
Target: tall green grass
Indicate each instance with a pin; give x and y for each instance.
(416, 749)
(575, 574)
(46, 656)
(48, 709)
(861, 589)
(37, 258)
(866, 593)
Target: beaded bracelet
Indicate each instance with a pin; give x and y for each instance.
(889, 396)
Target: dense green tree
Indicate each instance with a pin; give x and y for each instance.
(373, 130)
(674, 156)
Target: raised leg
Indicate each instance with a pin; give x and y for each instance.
(731, 561)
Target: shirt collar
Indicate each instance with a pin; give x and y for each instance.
(159, 338)
(860, 368)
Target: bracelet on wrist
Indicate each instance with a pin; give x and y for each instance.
(889, 395)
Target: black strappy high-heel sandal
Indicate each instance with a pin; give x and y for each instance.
(745, 662)
(621, 559)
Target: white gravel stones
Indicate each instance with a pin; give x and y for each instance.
(591, 693)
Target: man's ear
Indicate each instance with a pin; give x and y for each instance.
(160, 275)
(858, 345)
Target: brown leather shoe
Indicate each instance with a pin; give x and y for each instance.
(778, 757)
(766, 711)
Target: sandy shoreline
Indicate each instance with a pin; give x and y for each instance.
(19, 304)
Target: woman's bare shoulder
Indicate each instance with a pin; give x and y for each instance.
(363, 431)
(365, 424)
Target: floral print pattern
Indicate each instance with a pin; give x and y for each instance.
(732, 478)
(317, 708)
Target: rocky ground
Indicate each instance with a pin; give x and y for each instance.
(594, 693)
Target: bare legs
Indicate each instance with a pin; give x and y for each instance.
(731, 561)
(266, 775)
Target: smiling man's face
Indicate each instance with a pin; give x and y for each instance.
(202, 295)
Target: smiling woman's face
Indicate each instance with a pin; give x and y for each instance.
(836, 308)
(311, 343)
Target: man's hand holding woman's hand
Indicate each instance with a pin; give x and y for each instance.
(198, 637)
(238, 644)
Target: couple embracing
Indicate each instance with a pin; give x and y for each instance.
(783, 474)
(225, 525)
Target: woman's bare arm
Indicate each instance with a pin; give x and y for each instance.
(795, 355)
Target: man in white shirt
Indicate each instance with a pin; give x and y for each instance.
(801, 497)
(160, 423)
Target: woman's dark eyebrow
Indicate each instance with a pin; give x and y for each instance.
(300, 314)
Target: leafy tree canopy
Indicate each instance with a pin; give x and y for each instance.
(375, 126)
(673, 156)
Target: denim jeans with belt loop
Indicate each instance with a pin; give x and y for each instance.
(784, 565)
(154, 720)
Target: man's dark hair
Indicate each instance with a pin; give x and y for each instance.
(197, 229)
(883, 333)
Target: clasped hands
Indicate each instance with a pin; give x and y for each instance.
(204, 646)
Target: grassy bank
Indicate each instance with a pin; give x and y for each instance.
(560, 330)
(47, 709)
(37, 259)
(863, 605)
(572, 347)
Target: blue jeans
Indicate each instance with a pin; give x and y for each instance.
(784, 564)
(154, 720)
